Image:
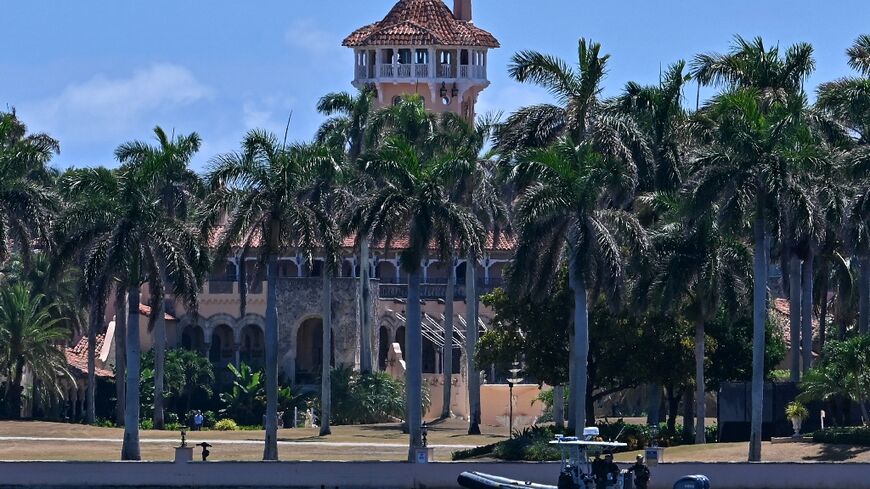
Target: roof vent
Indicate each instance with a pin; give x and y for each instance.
(462, 10)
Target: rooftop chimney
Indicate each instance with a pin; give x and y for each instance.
(462, 10)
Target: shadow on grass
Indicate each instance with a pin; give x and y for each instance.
(837, 453)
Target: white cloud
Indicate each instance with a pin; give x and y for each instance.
(307, 35)
(104, 106)
(268, 113)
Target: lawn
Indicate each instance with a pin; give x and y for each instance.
(372, 442)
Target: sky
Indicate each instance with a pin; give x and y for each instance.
(97, 73)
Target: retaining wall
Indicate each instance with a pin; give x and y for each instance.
(390, 475)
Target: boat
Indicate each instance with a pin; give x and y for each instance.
(575, 471)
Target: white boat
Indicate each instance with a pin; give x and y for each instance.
(575, 472)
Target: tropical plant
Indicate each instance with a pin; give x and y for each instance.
(752, 122)
(847, 100)
(573, 188)
(164, 169)
(259, 190)
(795, 409)
(347, 129)
(413, 201)
(226, 425)
(27, 203)
(367, 398)
(30, 339)
(571, 208)
(244, 401)
(842, 371)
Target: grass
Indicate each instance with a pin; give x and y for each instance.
(447, 433)
(247, 444)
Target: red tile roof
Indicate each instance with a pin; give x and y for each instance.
(145, 310)
(505, 242)
(421, 23)
(781, 317)
(77, 358)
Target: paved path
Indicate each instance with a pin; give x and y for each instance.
(229, 442)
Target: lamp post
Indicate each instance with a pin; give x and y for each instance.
(514, 379)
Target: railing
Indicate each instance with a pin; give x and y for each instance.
(432, 291)
(220, 286)
(418, 71)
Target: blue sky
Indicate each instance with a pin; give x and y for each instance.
(95, 73)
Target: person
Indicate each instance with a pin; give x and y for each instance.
(197, 421)
(641, 473)
(606, 473)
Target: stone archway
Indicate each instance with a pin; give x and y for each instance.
(193, 338)
(309, 350)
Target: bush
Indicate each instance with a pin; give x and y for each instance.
(367, 398)
(850, 435)
(146, 424)
(226, 425)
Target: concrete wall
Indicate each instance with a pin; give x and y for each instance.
(394, 475)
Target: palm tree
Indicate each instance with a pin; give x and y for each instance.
(347, 129)
(165, 168)
(571, 207)
(26, 201)
(124, 233)
(754, 113)
(413, 201)
(472, 175)
(705, 268)
(600, 130)
(258, 189)
(29, 338)
(848, 101)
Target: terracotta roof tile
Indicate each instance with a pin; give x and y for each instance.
(77, 357)
(421, 23)
(781, 318)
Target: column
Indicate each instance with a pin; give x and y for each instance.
(237, 354)
(398, 266)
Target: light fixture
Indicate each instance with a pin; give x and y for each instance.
(455, 92)
(443, 90)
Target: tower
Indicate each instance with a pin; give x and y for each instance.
(423, 47)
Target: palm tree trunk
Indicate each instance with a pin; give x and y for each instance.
(864, 295)
(581, 348)
(759, 321)
(673, 407)
(471, 334)
(15, 393)
(447, 355)
(158, 309)
(654, 404)
(572, 383)
(825, 273)
(94, 323)
(807, 312)
(414, 364)
(243, 283)
(559, 407)
(270, 450)
(700, 385)
(130, 446)
(794, 315)
(688, 413)
(326, 360)
(366, 359)
(120, 352)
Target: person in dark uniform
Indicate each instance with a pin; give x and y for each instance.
(606, 472)
(641, 473)
(597, 467)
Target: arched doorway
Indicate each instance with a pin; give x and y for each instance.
(383, 347)
(252, 350)
(430, 360)
(400, 339)
(192, 338)
(309, 351)
(221, 352)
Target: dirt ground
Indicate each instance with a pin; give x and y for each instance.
(778, 452)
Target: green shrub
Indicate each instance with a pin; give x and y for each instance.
(146, 424)
(850, 435)
(226, 425)
(367, 398)
(796, 410)
(105, 423)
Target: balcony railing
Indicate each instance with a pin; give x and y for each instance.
(420, 71)
(435, 288)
